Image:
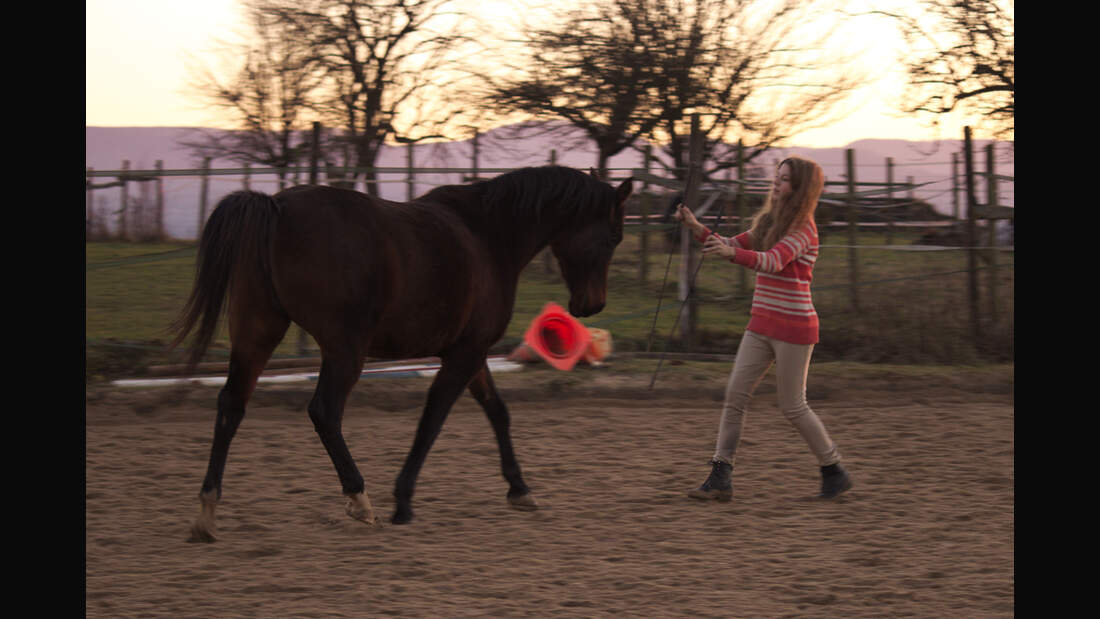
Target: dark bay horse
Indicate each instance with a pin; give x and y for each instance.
(372, 278)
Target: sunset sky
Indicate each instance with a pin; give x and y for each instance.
(138, 51)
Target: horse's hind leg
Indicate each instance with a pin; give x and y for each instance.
(485, 392)
(251, 349)
(340, 369)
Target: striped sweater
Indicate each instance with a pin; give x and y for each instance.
(782, 307)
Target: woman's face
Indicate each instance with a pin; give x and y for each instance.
(781, 187)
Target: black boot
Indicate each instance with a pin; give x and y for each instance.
(834, 481)
(717, 486)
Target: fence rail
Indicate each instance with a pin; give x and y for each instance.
(853, 203)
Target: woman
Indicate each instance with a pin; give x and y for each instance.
(781, 247)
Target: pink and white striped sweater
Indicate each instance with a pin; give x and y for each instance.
(782, 307)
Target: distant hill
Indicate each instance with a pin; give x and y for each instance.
(929, 163)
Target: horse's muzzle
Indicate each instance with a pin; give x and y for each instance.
(582, 309)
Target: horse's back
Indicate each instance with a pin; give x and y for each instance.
(307, 212)
(344, 261)
(327, 225)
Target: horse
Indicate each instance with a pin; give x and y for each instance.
(367, 277)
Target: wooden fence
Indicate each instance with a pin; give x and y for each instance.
(860, 204)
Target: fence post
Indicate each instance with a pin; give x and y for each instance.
(476, 143)
(246, 182)
(889, 210)
(955, 186)
(742, 219)
(853, 230)
(90, 218)
(160, 200)
(643, 240)
(123, 213)
(688, 259)
(203, 191)
(971, 236)
(911, 198)
(991, 204)
(315, 154)
(410, 173)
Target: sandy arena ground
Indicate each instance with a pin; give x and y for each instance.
(927, 531)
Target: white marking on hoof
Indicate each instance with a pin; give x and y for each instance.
(359, 508)
(203, 528)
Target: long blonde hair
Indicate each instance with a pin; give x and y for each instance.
(774, 220)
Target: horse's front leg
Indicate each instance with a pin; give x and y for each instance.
(454, 374)
(484, 391)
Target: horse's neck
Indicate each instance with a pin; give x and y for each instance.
(516, 245)
(524, 240)
(514, 238)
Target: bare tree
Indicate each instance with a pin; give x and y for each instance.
(624, 69)
(592, 70)
(756, 71)
(962, 57)
(267, 94)
(385, 65)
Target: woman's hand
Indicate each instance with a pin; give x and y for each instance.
(714, 246)
(687, 218)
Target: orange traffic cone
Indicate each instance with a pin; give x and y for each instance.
(557, 337)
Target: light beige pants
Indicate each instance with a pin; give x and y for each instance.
(755, 356)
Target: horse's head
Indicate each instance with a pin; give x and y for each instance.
(584, 250)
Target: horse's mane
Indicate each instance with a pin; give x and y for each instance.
(530, 191)
(527, 194)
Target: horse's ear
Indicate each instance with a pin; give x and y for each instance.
(625, 189)
(622, 192)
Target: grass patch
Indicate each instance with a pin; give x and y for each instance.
(913, 306)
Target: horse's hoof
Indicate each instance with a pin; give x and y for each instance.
(401, 517)
(374, 522)
(202, 529)
(523, 502)
(200, 534)
(362, 512)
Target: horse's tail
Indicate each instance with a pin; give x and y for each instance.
(235, 242)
